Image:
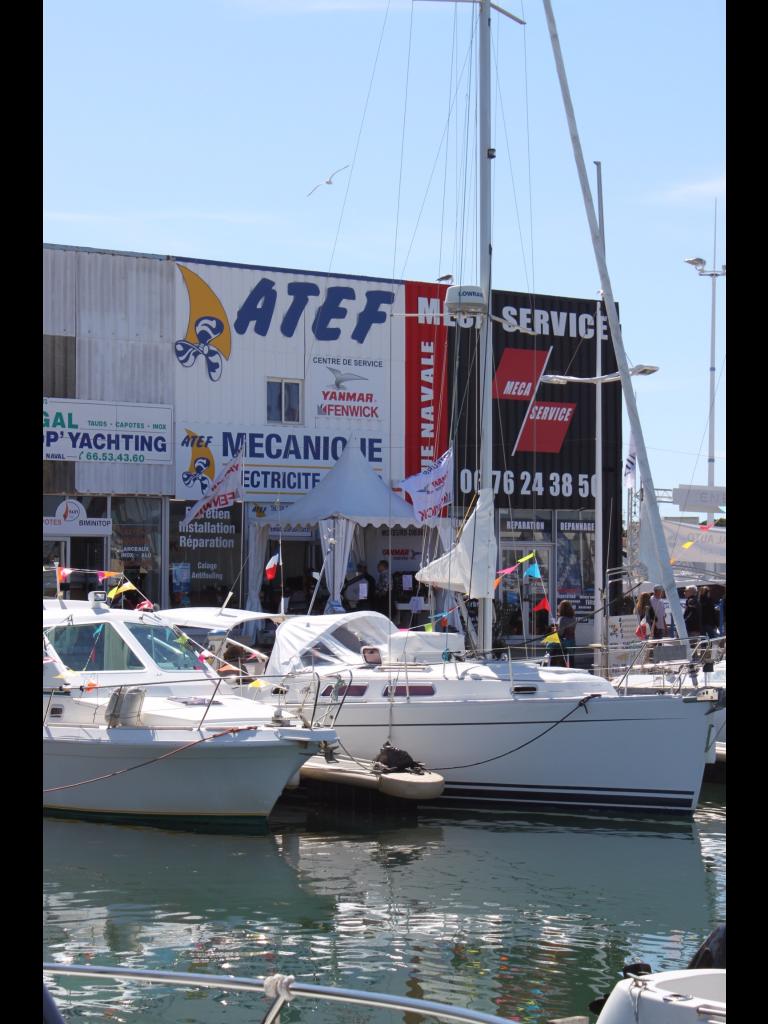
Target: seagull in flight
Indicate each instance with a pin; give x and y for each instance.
(445, 279)
(328, 180)
(340, 378)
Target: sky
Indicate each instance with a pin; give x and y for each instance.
(198, 128)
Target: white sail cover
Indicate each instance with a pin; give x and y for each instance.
(325, 641)
(470, 566)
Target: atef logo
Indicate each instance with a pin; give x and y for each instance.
(70, 511)
(202, 465)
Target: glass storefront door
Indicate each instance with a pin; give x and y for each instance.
(521, 591)
(54, 553)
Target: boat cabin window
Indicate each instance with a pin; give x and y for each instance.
(93, 647)
(414, 690)
(169, 651)
(352, 690)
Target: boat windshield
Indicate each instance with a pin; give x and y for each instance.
(92, 647)
(168, 650)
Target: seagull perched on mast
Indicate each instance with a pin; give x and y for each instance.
(328, 180)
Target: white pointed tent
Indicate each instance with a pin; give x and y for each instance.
(350, 494)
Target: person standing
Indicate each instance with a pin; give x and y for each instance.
(654, 614)
(641, 609)
(566, 630)
(708, 613)
(692, 612)
(382, 587)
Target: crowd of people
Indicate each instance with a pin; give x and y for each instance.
(702, 616)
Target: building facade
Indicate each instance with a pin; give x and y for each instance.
(158, 370)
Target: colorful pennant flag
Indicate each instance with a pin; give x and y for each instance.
(270, 570)
(553, 638)
(106, 575)
(534, 571)
(62, 575)
(687, 544)
(526, 557)
(120, 590)
(542, 606)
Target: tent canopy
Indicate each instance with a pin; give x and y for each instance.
(351, 489)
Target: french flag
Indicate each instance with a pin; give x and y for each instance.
(270, 570)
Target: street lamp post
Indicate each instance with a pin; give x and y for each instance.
(639, 370)
(699, 265)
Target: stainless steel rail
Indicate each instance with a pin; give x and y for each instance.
(286, 988)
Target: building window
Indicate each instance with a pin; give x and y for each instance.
(137, 545)
(284, 401)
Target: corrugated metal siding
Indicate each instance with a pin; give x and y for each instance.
(125, 316)
(59, 289)
(59, 381)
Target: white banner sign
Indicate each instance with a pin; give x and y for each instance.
(75, 431)
(225, 491)
(432, 490)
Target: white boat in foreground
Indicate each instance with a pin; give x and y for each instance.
(137, 728)
(695, 994)
(668, 997)
(499, 732)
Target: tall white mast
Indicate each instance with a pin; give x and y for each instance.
(486, 154)
(649, 493)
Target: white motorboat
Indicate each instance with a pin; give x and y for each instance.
(499, 732)
(137, 727)
(671, 997)
(668, 997)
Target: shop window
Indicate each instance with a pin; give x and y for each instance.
(284, 401)
(206, 557)
(137, 545)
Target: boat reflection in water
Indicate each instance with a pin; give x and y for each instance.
(528, 917)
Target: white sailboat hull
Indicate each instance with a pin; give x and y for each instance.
(230, 779)
(641, 753)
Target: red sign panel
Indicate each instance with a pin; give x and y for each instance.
(518, 373)
(545, 427)
(426, 401)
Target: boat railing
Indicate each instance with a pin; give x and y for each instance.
(649, 657)
(281, 989)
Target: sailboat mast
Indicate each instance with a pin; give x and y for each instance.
(649, 492)
(486, 154)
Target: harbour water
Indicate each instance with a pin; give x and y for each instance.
(523, 915)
